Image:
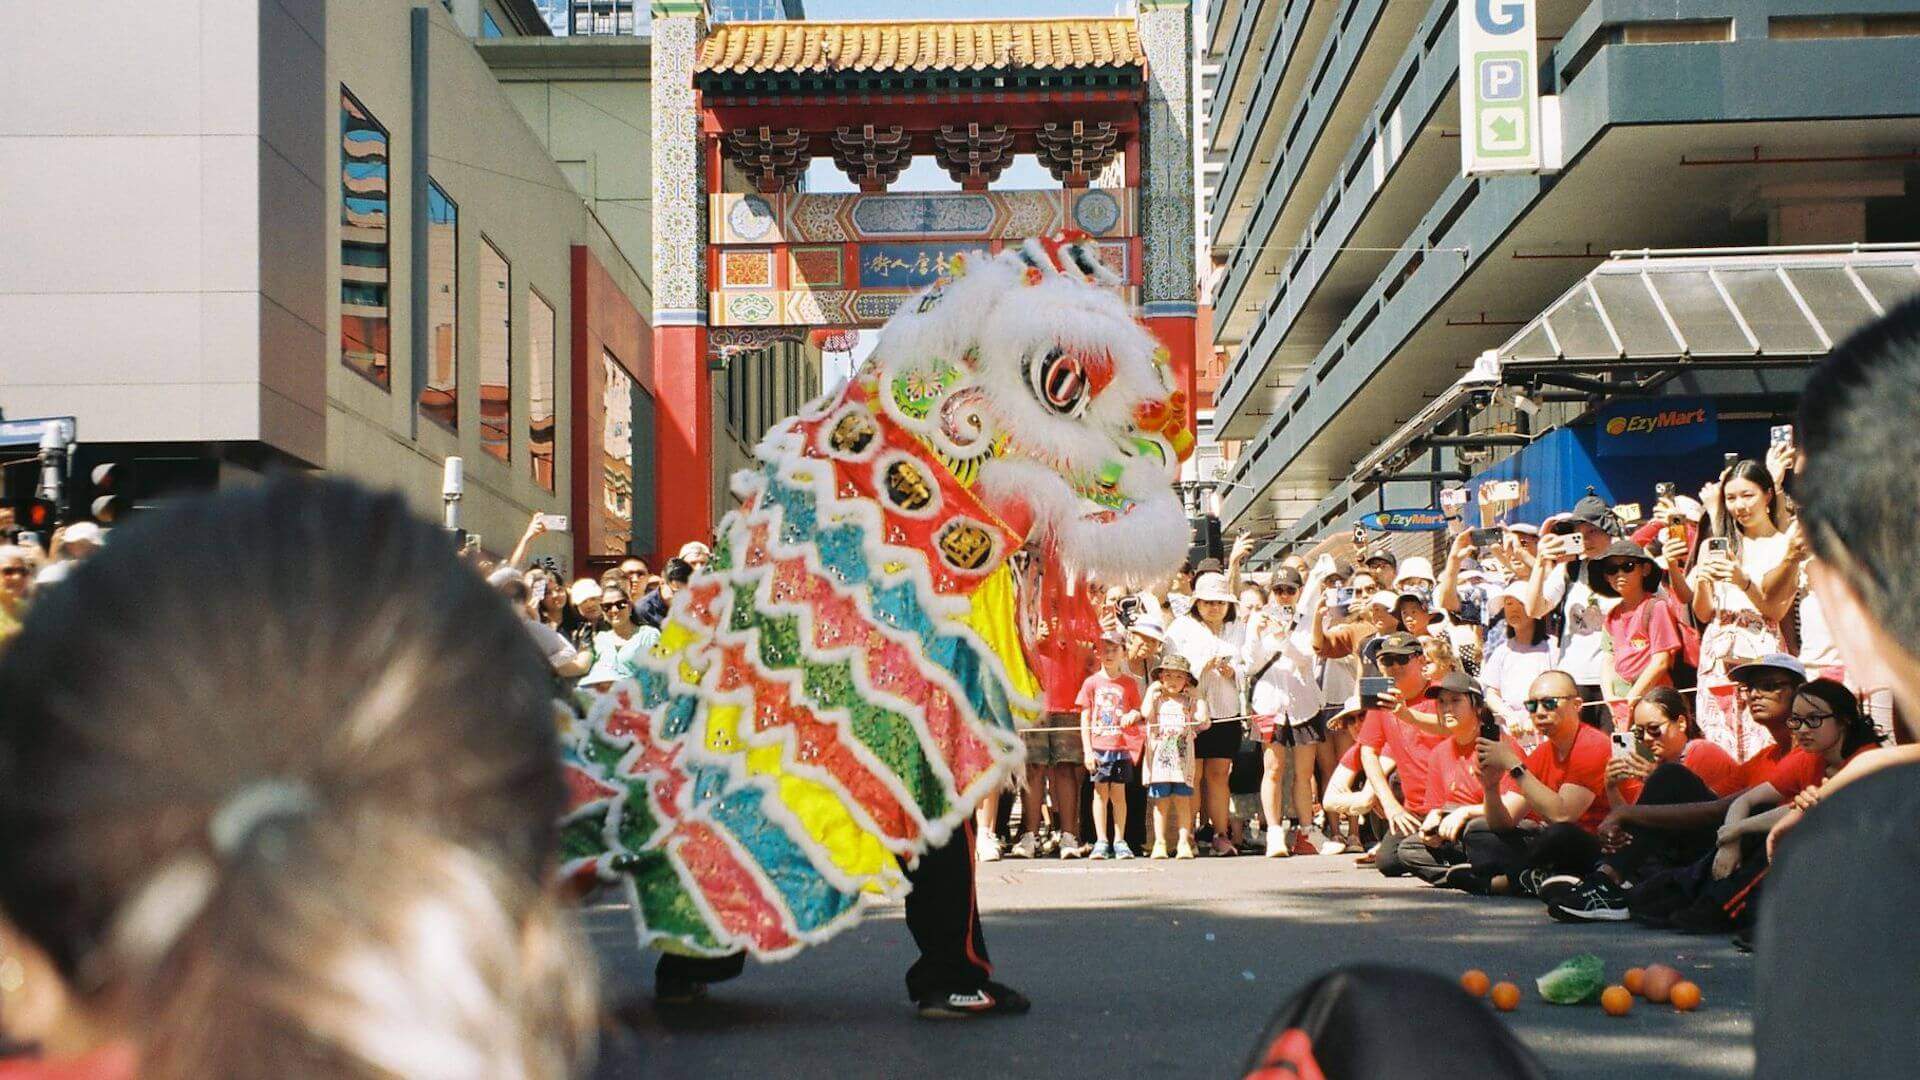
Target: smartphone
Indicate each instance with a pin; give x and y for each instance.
(1371, 689)
(1490, 728)
(1717, 545)
(1782, 435)
(554, 522)
(31, 539)
(538, 589)
(1484, 538)
(1623, 744)
(1731, 459)
(1342, 600)
(1663, 490)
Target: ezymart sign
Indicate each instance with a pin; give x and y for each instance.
(1499, 87)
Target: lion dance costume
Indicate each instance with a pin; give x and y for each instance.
(845, 682)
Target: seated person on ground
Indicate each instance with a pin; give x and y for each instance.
(1546, 827)
(1437, 854)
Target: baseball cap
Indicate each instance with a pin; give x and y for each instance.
(1770, 662)
(1287, 578)
(1457, 681)
(1397, 644)
(1148, 626)
(583, 590)
(84, 532)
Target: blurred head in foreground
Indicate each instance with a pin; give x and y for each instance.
(278, 795)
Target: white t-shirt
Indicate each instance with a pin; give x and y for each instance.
(1510, 667)
(1286, 688)
(1817, 648)
(1190, 638)
(1584, 645)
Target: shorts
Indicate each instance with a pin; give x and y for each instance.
(1220, 740)
(1306, 733)
(1055, 747)
(1113, 767)
(1162, 791)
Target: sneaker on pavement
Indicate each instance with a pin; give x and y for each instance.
(1101, 850)
(1373, 854)
(1533, 879)
(1224, 847)
(1457, 876)
(1070, 847)
(1186, 849)
(1277, 844)
(1598, 900)
(1159, 850)
(1321, 843)
(1049, 846)
(1025, 847)
(1121, 850)
(988, 847)
(993, 999)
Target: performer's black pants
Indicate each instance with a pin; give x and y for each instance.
(943, 914)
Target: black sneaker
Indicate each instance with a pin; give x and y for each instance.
(1533, 881)
(993, 999)
(1599, 900)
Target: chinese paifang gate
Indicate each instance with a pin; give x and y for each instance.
(845, 682)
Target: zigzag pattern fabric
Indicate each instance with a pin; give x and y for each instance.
(829, 699)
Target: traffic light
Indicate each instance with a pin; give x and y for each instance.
(111, 491)
(33, 513)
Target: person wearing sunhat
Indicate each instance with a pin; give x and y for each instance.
(1212, 640)
(1644, 626)
(1437, 854)
(1176, 714)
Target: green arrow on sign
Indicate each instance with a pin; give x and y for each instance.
(1503, 129)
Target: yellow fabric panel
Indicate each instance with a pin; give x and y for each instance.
(856, 852)
(995, 617)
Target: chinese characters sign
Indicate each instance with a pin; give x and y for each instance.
(908, 266)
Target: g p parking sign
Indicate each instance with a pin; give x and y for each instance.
(1499, 92)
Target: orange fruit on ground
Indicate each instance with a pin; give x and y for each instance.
(1475, 982)
(1506, 996)
(1616, 1000)
(1635, 980)
(1685, 996)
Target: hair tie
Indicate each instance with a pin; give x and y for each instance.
(248, 810)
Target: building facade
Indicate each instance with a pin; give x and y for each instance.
(333, 236)
(1363, 274)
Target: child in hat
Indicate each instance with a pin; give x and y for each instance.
(1114, 733)
(1175, 714)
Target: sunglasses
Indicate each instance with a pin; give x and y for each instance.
(1775, 688)
(1395, 660)
(1652, 731)
(1612, 568)
(613, 605)
(1796, 722)
(13, 571)
(1544, 704)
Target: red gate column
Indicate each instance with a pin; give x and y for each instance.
(1167, 194)
(684, 405)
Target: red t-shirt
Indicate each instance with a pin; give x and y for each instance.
(1706, 760)
(1407, 746)
(1351, 759)
(1758, 769)
(1585, 765)
(1109, 701)
(1640, 635)
(1800, 770)
(1453, 774)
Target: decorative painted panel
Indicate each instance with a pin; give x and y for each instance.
(817, 267)
(815, 218)
(746, 269)
(679, 264)
(1167, 195)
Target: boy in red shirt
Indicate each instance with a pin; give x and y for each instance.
(1403, 727)
(1114, 734)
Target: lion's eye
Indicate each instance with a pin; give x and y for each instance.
(1060, 382)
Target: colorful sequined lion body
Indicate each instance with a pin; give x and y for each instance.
(846, 680)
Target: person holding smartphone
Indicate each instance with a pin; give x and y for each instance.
(1561, 585)
(1437, 853)
(1741, 621)
(1399, 724)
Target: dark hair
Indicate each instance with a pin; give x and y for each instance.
(677, 571)
(1855, 489)
(1857, 725)
(1746, 469)
(351, 663)
(1674, 704)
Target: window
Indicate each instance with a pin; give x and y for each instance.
(364, 278)
(440, 392)
(616, 448)
(489, 28)
(540, 423)
(496, 353)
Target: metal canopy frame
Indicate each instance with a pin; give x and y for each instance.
(1644, 317)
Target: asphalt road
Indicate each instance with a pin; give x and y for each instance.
(1148, 969)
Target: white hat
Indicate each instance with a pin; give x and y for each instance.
(583, 590)
(1148, 626)
(1212, 587)
(693, 548)
(1689, 507)
(84, 532)
(1415, 568)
